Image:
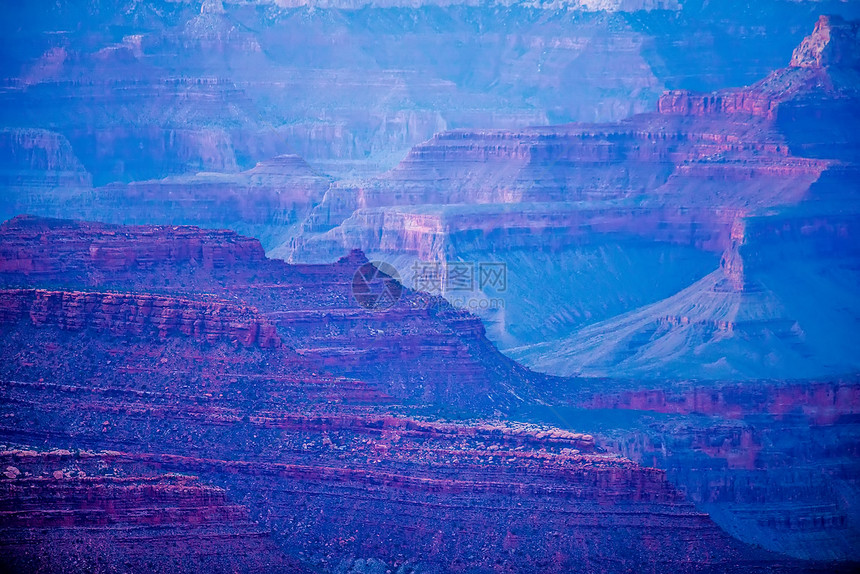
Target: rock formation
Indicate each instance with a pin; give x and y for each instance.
(137, 315)
(317, 451)
(163, 384)
(39, 172)
(746, 199)
(90, 511)
(663, 196)
(271, 198)
(770, 462)
(160, 282)
(169, 88)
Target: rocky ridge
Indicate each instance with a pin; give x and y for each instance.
(172, 88)
(689, 183)
(323, 448)
(137, 315)
(771, 462)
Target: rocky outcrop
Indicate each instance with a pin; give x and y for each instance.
(332, 440)
(731, 263)
(834, 42)
(67, 511)
(686, 179)
(137, 315)
(443, 477)
(725, 150)
(79, 249)
(218, 286)
(738, 102)
(764, 178)
(825, 63)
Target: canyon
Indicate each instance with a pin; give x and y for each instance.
(583, 210)
(699, 236)
(223, 349)
(144, 91)
(772, 462)
(117, 429)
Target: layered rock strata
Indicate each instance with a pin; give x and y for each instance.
(664, 214)
(772, 463)
(327, 439)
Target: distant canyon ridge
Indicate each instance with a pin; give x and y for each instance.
(693, 240)
(147, 90)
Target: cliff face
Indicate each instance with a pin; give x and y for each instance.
(834, 42)
(430, 352)
(663, 196)
(312, 450)
(167, 88)
(90, 511)
(81, 249)
(273, 196)
(43, 177)
(137, 315)
(765, 460)
(778, 296)
(39, 171)
(651, 159)
(659, 178)
(721, 152)
(825, 63)
(171, 89)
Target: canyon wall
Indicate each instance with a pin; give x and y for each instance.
(81, 248)
(181, 87)
(661, 196)
(311, 452)
(770, 462)
(218, 286)
(39, 172)
(90, 511)
(137, 315)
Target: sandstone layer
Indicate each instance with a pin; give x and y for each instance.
(320, 451)
(147, 91)
(717, 211)
(772, 462)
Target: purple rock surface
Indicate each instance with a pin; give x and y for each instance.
(376, 286)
